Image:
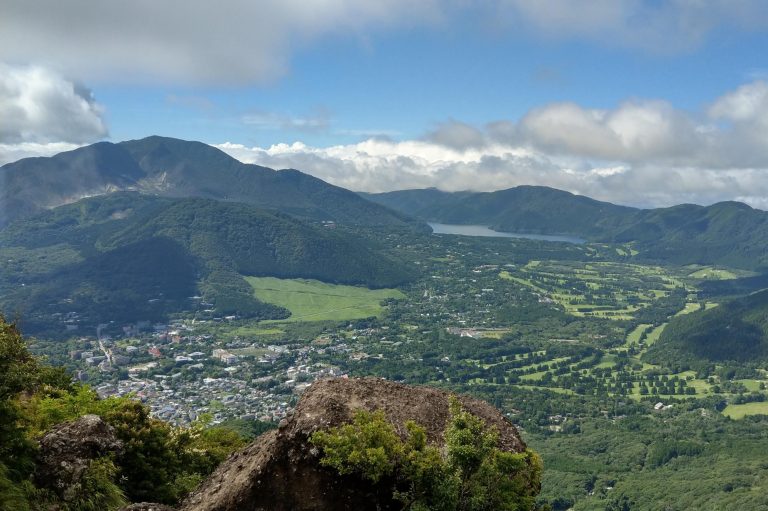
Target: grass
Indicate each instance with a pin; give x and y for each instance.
(710, 273)
(634, 335)
(254, 331)
(741, 411)
(654, 335)
(608, 290)
(751, 385)
(689, 307)
(312, 300)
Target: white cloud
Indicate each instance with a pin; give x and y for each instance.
(43, 113)
(636, 130)
(188, 41)
(748, 103)
(644, 153)
(39, 106)
(669, 26)
(14, 152)
(247, 41)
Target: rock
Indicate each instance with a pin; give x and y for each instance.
(280, 470)
(67, 450)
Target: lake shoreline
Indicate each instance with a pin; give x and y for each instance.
(484, 231)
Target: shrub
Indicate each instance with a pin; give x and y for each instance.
(472, 474)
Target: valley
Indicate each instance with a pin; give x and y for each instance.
(557, 335)
(629, 346)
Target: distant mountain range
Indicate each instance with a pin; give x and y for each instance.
(177, 168)
(126, 256)
(727, 233)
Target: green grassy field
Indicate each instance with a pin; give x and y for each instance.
(741, 411)
(654, 334)
(713, 274)
(600, 290)
(689, 307)
(634, 335)
(312, 300)
(254, 331)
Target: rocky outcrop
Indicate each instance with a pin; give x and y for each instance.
(67, 450)
(280, 471)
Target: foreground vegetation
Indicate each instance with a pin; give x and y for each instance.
(472, 474)
(158, 463)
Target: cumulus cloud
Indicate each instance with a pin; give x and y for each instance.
(643, 152)
(636, 130)
(667, 27)
(244, 42)
(39, 106)
(229, 41)
(43, 113)
(457, 135)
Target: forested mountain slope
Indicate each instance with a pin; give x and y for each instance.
(726, 233)
(127, 255)
(734, 331)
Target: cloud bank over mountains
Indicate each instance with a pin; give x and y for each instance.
(643, 152)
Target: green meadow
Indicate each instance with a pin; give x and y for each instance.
(312, 300)
(742, 410)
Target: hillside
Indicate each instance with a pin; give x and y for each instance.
(735, 331)
(727, 233)
(177, 168)
(127, 256)
(524, 209)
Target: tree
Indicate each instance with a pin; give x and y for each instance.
(472, 475)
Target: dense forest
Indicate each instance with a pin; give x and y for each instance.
(125, 256)
(736, 331)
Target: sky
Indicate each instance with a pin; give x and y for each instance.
(641, 102)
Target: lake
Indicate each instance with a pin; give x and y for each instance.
(480, 230)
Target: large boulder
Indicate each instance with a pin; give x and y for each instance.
(280, 471)
(67, 451)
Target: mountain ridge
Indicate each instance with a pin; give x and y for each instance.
(177, 168)
(728, 233)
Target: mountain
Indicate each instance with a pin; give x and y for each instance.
(126, 256)
(524, 209)
(734, 331)
(177, 168)
(726, 233)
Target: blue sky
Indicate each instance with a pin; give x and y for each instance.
(641, 102)
(403, 84)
